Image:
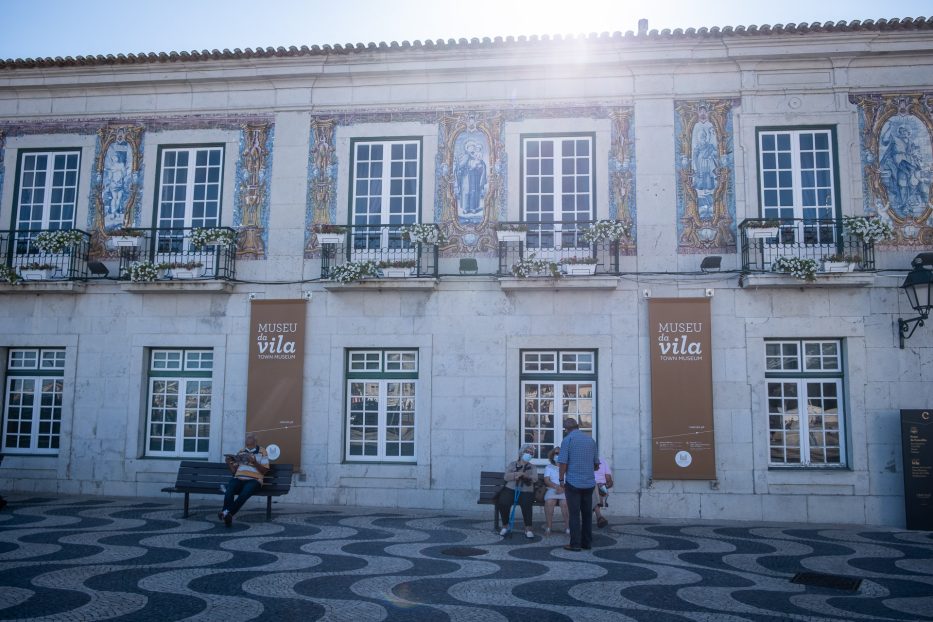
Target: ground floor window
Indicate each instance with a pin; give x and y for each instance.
(806, 422)
(32, 416)
(556, 384)
(382, 388)
(179, 405)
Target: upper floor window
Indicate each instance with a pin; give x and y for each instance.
(32, 416)
(556, 384)
(382, 391)
(47, 190)
(557, 188)
(386, 184)
(805, 402)
(179, 405)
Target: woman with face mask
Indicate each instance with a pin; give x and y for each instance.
(520, 474)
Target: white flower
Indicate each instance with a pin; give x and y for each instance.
(8, 274)
(58, 241)
(425, 233)
(804, 269)
(203, 236)
(530, 266)
(611, 230)
(143, 271)
(353, 271)
(868, 230)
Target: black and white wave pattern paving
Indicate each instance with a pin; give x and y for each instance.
(81, 559)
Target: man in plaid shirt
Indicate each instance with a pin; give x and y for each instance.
(578, 459)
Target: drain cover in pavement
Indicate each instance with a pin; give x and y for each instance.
(463, 551)
(835, 581)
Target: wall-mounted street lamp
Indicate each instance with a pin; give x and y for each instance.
(919, 289)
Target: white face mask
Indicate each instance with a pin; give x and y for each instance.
(526, 457)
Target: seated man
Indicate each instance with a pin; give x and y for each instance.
(248, 466)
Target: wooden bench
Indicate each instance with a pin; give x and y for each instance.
(209, 478)
(489, 482)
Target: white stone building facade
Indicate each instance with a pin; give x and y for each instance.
(803, 123)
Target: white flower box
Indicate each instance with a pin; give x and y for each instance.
(763, 232)
(586, 269)
(839, 266)
(394, 273)
(125, 240)
(184, 273)
(330, 238)
(511, 236)
(36, 275)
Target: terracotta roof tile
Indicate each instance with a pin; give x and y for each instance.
(881, 25)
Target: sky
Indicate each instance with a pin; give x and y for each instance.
(50, 28)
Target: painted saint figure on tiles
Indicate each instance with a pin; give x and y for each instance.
(705, 162)
(116, 179)
(470, 176)
(906, 164)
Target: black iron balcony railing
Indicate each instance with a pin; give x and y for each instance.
(383, 245)
(764, 240)
(36, 250)
(555, 242)
(175, 251)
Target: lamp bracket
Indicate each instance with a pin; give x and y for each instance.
(906, 332)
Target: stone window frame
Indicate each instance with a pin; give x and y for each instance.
(380, 367)
(795, 370)
(49, 366)
(549, 366)
(191, 365)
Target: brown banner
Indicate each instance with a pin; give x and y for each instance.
(683, 444)
(276, 377)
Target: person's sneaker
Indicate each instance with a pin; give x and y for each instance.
(220, 515)
(602, 522)
(529, 534)
(504, 531)
(228, 519)
(568, 547)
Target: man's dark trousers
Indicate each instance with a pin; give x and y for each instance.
(245, 488)
(580, 504)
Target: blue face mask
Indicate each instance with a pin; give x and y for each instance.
(526, 457)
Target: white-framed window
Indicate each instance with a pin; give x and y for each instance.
(178, 411)
(385, 191)
(382, 391)
(558, 189)
(190, 189)
(806, 415)
(32, 415)
(556, 384)
(798, 182)
(47, 193)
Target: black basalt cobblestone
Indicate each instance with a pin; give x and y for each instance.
(81, 558)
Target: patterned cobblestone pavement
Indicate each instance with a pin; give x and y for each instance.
(84, 558)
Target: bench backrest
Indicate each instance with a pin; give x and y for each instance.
(210, 476)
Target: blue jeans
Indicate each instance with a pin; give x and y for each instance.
(580, 504)
(244, 487)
